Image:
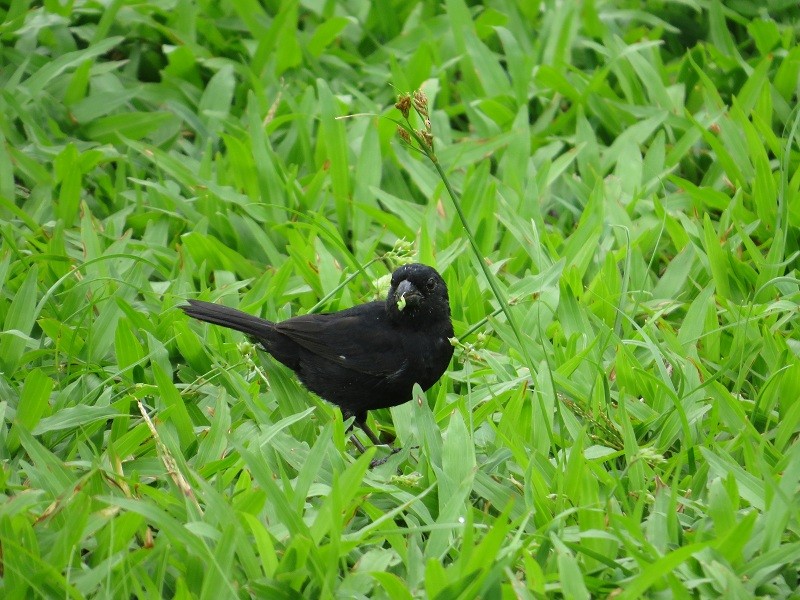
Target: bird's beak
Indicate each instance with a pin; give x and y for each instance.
(406, 292)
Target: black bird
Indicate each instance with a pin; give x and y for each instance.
(365, 357)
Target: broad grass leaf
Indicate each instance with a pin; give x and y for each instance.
(20, 316)
(33, 404)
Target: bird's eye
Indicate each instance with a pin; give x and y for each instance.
(430, 284)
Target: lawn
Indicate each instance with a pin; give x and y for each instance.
(611, 191)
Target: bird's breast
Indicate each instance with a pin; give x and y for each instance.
(428, 358)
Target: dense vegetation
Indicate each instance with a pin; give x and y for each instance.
(630, 175)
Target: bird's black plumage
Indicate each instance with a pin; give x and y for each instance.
(365, 357)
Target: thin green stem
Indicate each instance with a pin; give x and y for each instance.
(490, 278)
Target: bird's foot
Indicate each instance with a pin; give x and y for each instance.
(379, 461)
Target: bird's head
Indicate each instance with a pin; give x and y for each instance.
(418, 295)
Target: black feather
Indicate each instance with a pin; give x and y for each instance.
(365, 357)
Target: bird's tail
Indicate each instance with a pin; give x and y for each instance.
(229, 317)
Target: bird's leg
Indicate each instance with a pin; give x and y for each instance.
(370, 434)
(359, 446)
(375, 462)
(361, 421)
(375, 440)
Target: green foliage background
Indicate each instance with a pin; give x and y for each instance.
(630, 170)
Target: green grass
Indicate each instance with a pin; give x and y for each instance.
(630, 173)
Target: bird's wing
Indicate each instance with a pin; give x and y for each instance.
(361, 341)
